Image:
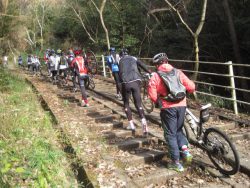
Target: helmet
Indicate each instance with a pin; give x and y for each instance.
(59, 51)
(77, 52)
(123, 52)
(52, 51)
(112, 49)
(158, 58)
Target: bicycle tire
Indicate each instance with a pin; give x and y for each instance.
(90, 83)
(218, 150)
(186, 131)
(147, 104)
(92, 62)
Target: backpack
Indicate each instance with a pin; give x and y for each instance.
(114, 65)
(176, 90)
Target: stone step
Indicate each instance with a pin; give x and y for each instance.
(99, 112)
(117, 133)
(157, 176)
(133, 143)
(145, 156)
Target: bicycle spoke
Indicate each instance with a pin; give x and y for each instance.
(221, 151)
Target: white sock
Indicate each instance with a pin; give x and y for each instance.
(132, 125)
(144, 121)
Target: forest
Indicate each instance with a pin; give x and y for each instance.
(214, 30)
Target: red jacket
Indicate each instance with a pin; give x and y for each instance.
(157, 87)
(79, 63)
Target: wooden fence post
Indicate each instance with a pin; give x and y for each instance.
(103, 66)
(232, 83)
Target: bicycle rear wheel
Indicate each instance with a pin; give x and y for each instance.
(147, 104)
(92, 62)
(89, 83)
(221, 151)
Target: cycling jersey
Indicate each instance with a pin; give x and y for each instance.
(128, 69)
(63, 63)
(157, 87)
(54, 62)
(79, 63)
(113, 62)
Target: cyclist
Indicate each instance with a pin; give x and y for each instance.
(172, 113)
(54, 61)
(63, 67)
(82, 73)
(37, 64)
(131, 83)
(29, 62)
(46, 60)
(20, 61)
(33, 64)
(70, 58)
(113, 64)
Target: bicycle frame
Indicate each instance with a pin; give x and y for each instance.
(198, 121)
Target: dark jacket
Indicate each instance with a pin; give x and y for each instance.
(128, 67)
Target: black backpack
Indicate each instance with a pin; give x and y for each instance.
(176, 90)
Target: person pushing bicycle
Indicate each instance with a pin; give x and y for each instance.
(131, 83)
(173, 106)
(82, 73)
(113, 64)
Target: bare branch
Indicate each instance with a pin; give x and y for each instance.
(83, 25)
(158, 10)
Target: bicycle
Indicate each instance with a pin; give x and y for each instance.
(90, 82)
(216, 143)
(91, 61)
(147, 104)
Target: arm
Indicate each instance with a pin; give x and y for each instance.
(189, 84)
(142, 66)
(152, 88)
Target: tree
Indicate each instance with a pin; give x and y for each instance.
(100, 11)
(195, 34)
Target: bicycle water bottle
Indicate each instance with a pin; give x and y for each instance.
(192, 123)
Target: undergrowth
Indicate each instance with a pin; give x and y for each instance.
(30, 155)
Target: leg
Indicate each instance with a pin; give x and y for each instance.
(83, 91)
(169, 125)
(136, 92)
(117, 82)
(126, 92)
(181, 139)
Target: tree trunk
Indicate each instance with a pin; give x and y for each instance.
(196, 65)
(100, 11)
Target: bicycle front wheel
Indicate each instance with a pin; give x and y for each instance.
(221, 151)
(92, 62)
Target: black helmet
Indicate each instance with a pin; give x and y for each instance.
(158, 58)
(52, 52)
(112, 49)
(123, 52)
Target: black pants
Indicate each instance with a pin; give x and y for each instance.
(135, 89)
(73, 76)
(82, 80)
(117, 82)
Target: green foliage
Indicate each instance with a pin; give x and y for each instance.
(29, 152)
